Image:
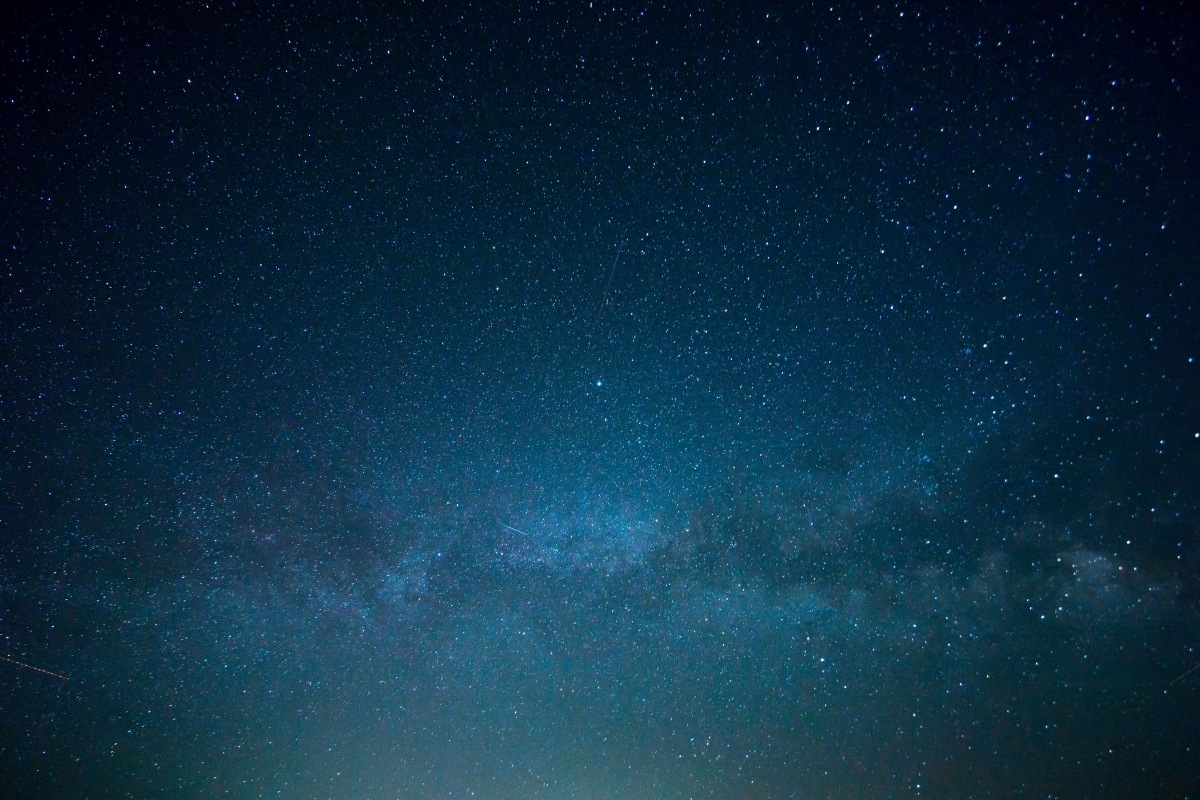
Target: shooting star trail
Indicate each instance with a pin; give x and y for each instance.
(1184, 675)
(35, 669)
(511, 528)
(611, 272)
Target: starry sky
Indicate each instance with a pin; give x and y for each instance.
(521, 400)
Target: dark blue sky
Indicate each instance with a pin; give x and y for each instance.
(572, 401)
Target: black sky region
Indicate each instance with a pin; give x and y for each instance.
(521, 400)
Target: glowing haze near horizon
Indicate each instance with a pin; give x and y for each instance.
(574, 402)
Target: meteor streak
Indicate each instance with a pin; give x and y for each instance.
(604, 301)
(35, 669)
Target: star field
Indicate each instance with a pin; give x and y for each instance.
(580, 401)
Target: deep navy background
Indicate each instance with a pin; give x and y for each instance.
(575, 401)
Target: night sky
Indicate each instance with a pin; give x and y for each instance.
(568, 401)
